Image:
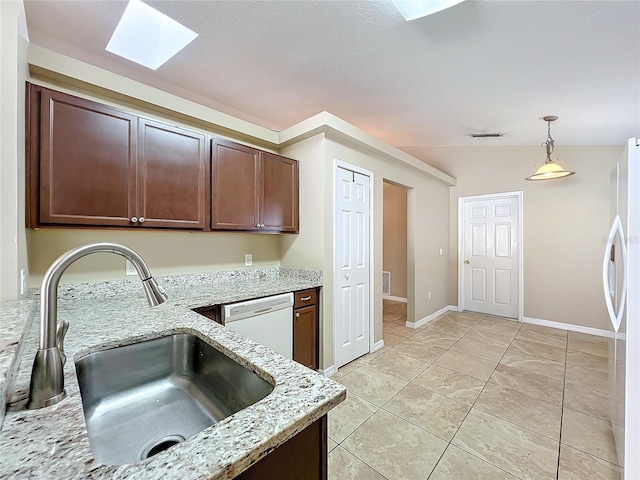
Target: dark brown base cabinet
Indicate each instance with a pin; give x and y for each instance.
(93, 165)
(305, 328)
(303, 457)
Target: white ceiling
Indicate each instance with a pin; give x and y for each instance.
(479, 66)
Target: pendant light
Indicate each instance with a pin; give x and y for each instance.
(549, 169)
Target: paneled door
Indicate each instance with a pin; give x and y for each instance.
(490, 260)
(352, 264)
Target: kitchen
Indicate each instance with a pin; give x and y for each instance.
(312, 247)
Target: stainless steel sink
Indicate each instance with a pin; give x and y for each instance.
(143, 398)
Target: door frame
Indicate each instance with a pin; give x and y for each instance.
(368, 173)
(462, 201)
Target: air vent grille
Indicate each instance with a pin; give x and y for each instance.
(386, 283)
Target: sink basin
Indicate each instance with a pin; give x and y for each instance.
(143, 398)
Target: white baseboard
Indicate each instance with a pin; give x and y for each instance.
(431, 317)
(569, 326)
(329, 371)
(395, 299)
(377, 346)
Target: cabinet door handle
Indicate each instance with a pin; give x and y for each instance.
(134, 219)
(305, 299)
(297, 314)
(141, 219)
(257, 225)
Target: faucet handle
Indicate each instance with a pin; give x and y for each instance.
(61, 331)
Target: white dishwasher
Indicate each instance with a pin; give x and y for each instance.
(268, 321)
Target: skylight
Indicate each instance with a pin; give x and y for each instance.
(412, 9)
(148, 37)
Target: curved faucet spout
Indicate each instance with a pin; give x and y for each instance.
(47, 379)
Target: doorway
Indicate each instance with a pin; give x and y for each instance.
(490, 254)
(352, 263)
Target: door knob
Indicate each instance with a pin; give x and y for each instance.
(467, 261)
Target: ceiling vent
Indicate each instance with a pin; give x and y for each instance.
(486, 135)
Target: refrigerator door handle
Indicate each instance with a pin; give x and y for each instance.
(615, 314)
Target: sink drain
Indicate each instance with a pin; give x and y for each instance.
(156, 446)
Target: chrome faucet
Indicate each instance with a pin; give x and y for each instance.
(47, 376)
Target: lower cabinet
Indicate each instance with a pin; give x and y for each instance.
(301, 457)
(305, 328)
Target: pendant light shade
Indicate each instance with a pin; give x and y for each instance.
(550, 169)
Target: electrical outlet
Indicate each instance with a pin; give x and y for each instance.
(130, 269)
(248, 259)
(429, 295)
(23, 281)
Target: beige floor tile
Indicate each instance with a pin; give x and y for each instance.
(546, 330)
(469, 315)
(585, 337)
(515, 407)
(331, 445)
(504, 327)
(344, 466)
(436, 339)
(417, 349)
(348, 416)
(539, 350)
(398, 329)
(463, 363)
(529, 383)
(394, 447)
(448, 383)
(584, 360)
(523, 453)
(592, 348)
(586, 400)
(543, 338)
(589, 434)
(490, 338)
(480, 350)
(373, 385)
(456, 464)
(465, 322)
(401, 366)
(449, 328)
(577, 465)
(391, 339)
(531, 363)
(390, 317)
(437, 414)
(587, 378)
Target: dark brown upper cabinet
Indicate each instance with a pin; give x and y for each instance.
(95, 165)
(252, 190)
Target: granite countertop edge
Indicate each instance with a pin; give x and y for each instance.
(53, 443)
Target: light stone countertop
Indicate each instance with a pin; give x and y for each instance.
(52, 442)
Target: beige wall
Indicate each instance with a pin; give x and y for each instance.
(428, 214)
(565, 222)
(13, 72)
(166, 252)
(394, 237)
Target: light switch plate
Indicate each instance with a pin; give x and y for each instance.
(248, 259)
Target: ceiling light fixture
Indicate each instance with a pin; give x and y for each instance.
(549, 169)
(412, 9)
(148, 37)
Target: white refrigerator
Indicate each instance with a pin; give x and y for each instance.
(621, 281)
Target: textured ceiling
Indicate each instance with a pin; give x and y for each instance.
(479, 66)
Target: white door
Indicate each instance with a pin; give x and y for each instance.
(351, 274)
(491, 254)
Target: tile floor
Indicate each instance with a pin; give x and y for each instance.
(470, 396)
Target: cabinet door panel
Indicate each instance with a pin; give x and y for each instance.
(87, 164)
(235, 173)
(279, 193)
(305, 336)
(172, 169)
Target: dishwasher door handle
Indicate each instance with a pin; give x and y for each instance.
(262, 310)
